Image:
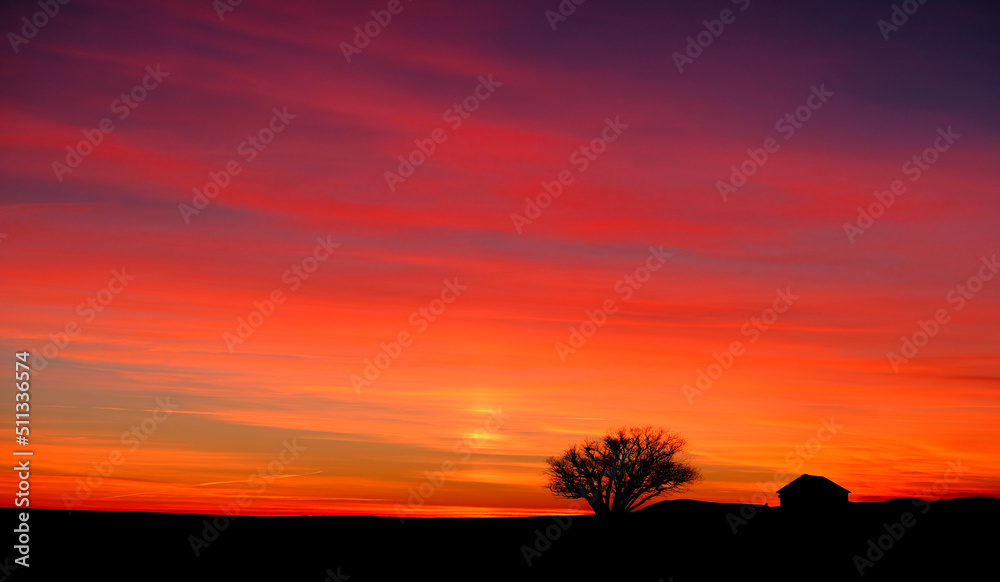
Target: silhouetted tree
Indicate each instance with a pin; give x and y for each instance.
(622, 470)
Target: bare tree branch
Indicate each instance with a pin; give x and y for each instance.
(622, 470)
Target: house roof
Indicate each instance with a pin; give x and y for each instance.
(812, 483)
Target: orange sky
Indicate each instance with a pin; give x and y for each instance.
(481, 390)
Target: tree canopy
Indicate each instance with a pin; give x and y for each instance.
(622, 470)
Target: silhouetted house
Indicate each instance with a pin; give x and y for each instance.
(812, 492)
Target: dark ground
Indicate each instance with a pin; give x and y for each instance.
(684, 540)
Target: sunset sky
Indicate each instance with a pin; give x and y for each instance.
(257, 316)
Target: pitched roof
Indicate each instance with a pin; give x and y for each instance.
(812, 483)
